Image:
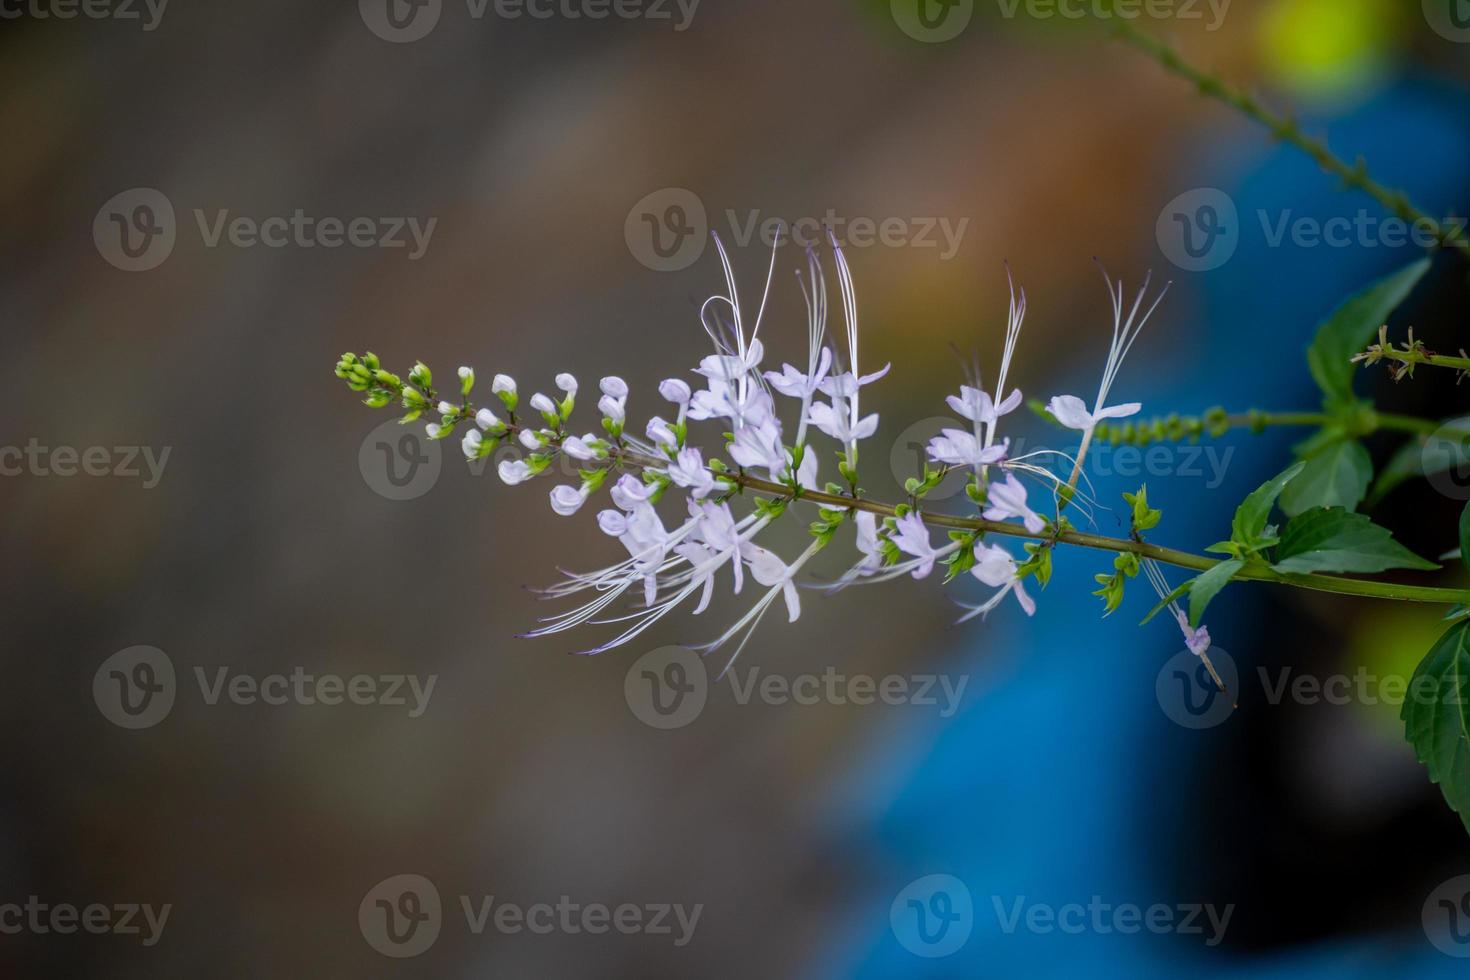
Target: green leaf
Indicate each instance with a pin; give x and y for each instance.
(1351, 327)
(1249, 524)
(1337, 476)
(1337, 540)
(1437, 717)
(1427, 456)
(1205, 586)
(1465, 535)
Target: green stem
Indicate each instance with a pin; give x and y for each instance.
(1354, 176)
(1217, 421)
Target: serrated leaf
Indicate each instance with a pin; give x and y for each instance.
(1204, 587)
(1352, 326)
(1336, 476)
(1251, 515)
(1429, 456)
(1337, 540)
(1437, 717)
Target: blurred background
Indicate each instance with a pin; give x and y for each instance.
(562, 173)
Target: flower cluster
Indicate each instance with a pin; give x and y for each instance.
(670, 564)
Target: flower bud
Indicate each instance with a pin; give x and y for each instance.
(612, 408)
(487, 420)
(514, 471)
(504, 386)
(614, 387)
(566, 500)
(466, 380)
(675, 391)
(566, 383)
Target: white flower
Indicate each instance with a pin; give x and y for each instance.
(995, 567)
(1008, 500)
(434, 429)
(543, 404)
(513, 471)
(658, 432)
(688, 470)
(723, 400)
(581, 447)
(503, 384)
(846, 385)
(837, 423)
(614, 523)
(794, 383)
(1072, 412)
(447, 408)
(531, 439)
(612, 408)
(675, 391)
(867, 542)
(960, 448)
(466, 373)
(566, 383)
(912, 538)
(975, 404)
(566, 500)
(731, 367)
(769, 570)
(614, 387)
(471, 444)
(630, 491)
(759, 445)
(487, 419)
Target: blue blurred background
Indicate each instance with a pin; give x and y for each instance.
(537, 145)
